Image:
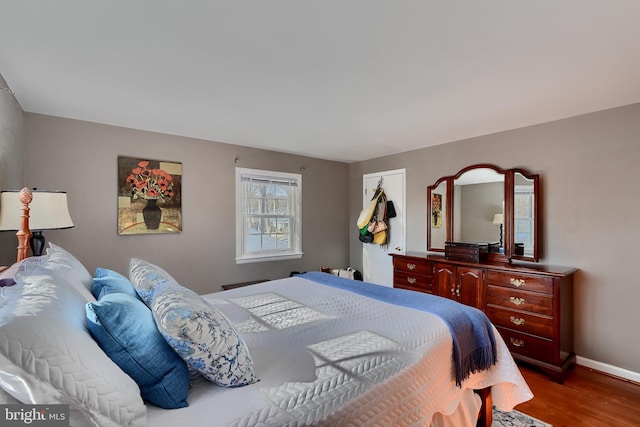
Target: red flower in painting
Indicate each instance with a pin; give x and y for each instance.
(436, 203)
(150, 183)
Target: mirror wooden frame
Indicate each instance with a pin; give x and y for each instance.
(509, 210)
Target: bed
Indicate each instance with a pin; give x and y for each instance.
(313, 349)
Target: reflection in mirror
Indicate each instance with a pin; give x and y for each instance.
(523, 215)
(478, 198)
(438, 215)
(484, 203)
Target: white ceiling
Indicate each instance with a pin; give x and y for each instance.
(342, 80)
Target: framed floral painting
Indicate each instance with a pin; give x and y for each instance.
(149, 196)
(436, 211)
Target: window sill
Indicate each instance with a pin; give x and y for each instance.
(265, 258)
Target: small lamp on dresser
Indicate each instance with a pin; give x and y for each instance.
(48, 211)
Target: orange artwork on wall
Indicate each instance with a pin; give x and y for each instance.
(149, 196)
(436, 211)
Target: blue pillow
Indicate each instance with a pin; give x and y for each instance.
(124, 328)
(107, 281)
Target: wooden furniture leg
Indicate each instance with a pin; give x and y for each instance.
(485, 416)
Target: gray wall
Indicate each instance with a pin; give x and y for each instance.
(81, 158)
(589, 172)
(12, 136)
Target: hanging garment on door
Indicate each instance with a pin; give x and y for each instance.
(381, 226)
(369, 210)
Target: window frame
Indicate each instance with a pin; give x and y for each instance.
(294, 251)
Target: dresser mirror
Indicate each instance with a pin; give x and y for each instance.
(524, 202)
(484, 203)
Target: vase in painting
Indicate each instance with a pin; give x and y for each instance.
(152, 214)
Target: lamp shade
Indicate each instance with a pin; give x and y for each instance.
(498, 219)
(48, 211)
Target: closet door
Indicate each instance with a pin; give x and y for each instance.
(377, 265)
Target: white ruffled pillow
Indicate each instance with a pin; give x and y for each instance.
(47, 355)
(196, 330)
(61, 262)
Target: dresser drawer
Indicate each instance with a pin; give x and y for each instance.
(411, 266)
(522, 300)
(520, 281)
(527, 345)
(412, 281)
(521, 321)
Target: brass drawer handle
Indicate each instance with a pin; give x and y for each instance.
(411, 266)
(455, 290)
(518, 321)
(516, 300)
(411, 280)
(516, 342)
(517, 282)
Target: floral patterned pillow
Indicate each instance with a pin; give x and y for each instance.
(196, 330)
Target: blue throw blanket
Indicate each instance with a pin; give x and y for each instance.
(474, 346)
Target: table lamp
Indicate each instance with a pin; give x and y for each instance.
(48, 211)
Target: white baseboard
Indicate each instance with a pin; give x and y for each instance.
(609, 369)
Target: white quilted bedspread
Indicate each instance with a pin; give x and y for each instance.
(328, 357)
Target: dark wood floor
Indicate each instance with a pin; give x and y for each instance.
(587, 398)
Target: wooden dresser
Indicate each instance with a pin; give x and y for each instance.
(531, 305)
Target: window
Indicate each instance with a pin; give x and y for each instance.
(268, 215)
(523, 216)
